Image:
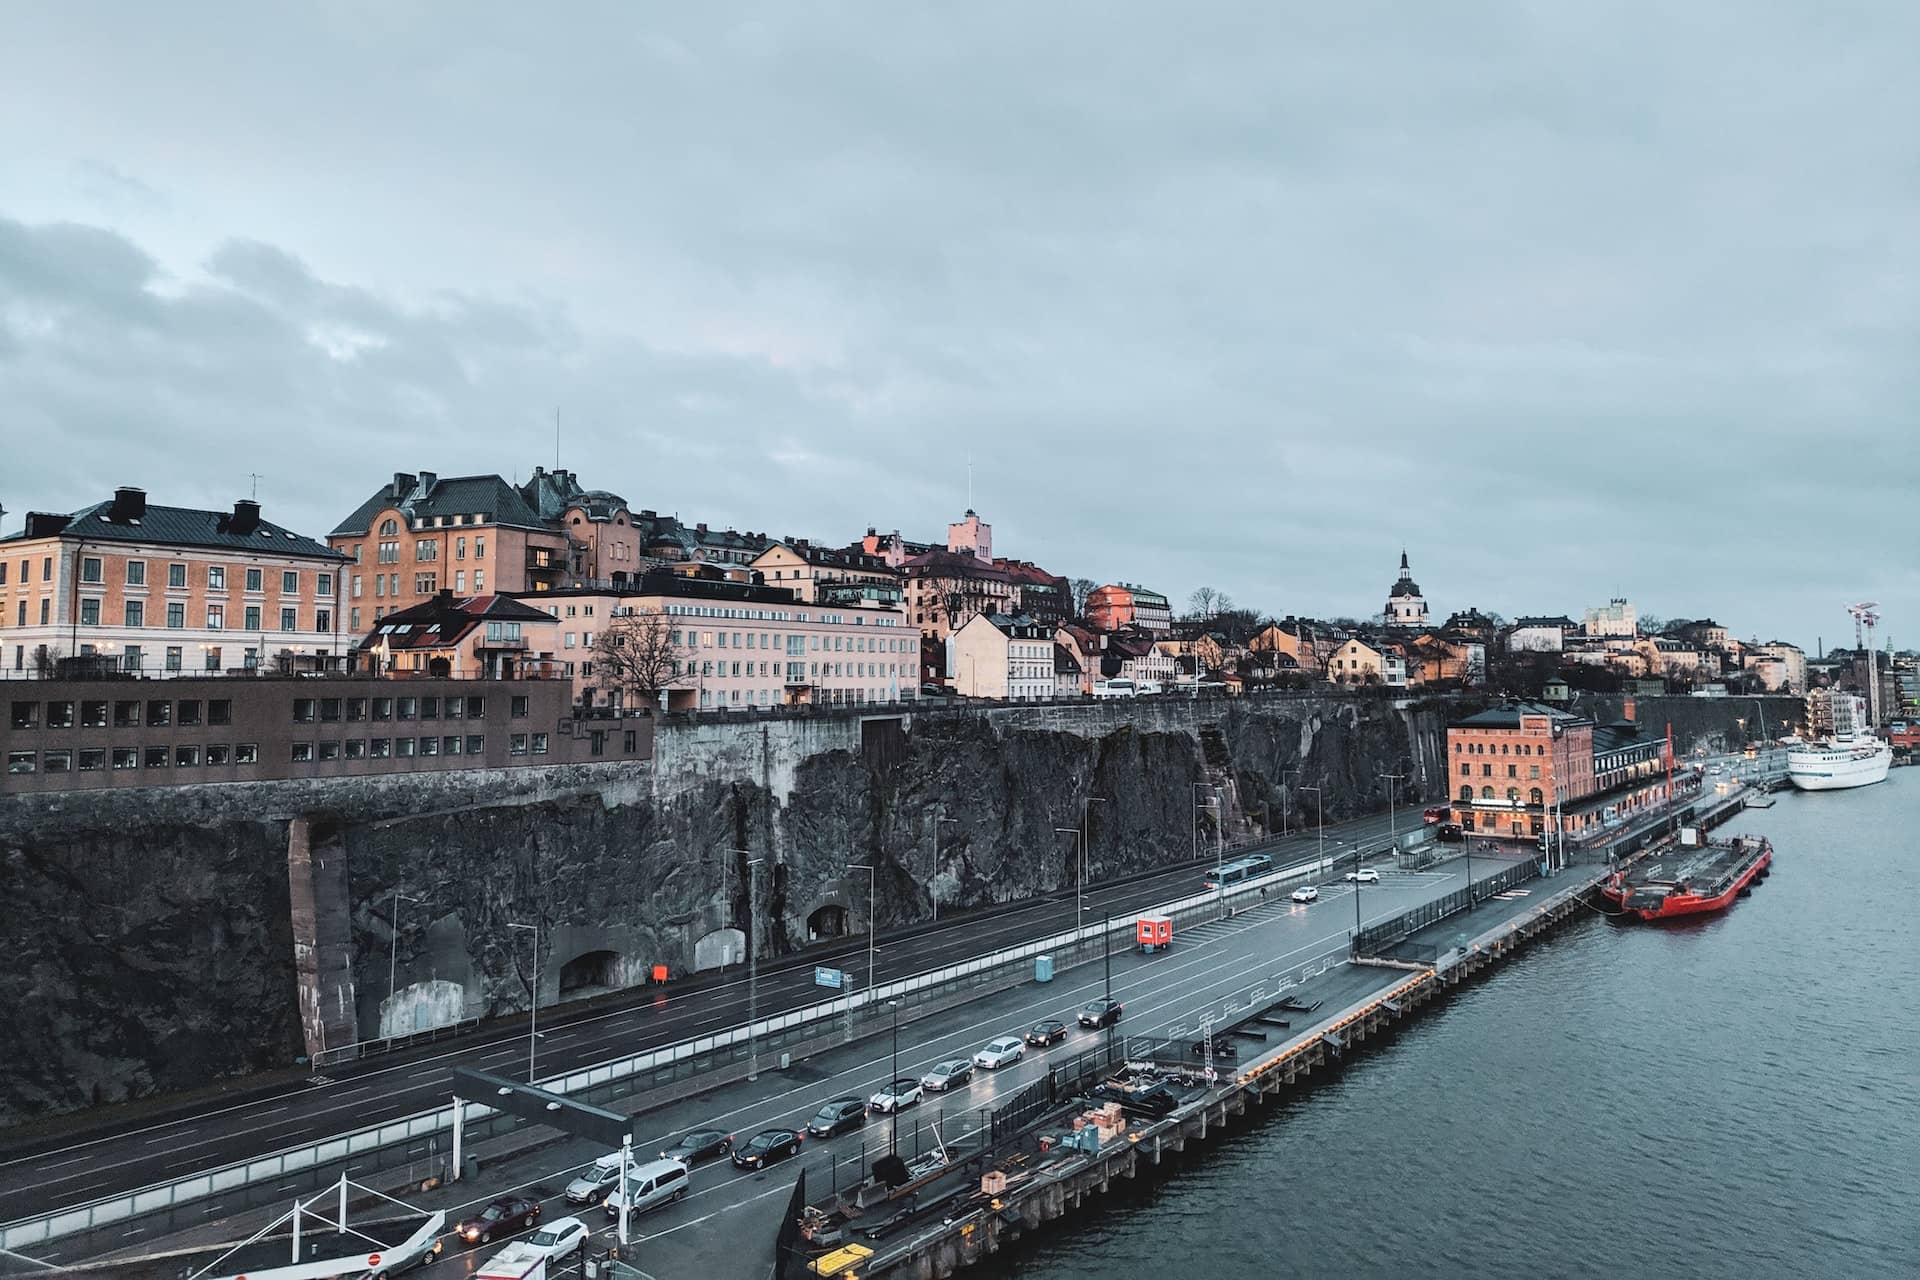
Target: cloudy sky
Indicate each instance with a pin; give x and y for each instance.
(1570, 300)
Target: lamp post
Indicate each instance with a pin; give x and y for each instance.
(753, 967)
(1080, 879)
(393, 955)
(533, 986)
(933, 859)
(1086, 839)
(1393, 830)
(868, 868)
(1287, 812)
(1320, 810)
(893, 1116)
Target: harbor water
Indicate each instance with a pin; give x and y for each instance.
(1731, 1096)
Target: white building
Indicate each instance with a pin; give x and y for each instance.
(1406, 607)
(1007, 658)
(1616, 621)
(1539, 635)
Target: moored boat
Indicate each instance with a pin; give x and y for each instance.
(1692, 881)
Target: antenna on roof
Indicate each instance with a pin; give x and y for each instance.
(969, 479)
(556, 438)
(256, 477)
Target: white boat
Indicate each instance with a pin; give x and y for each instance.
(1853, 756)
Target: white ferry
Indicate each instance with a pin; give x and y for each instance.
(1852, 757)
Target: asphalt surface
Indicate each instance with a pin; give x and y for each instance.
(725, 1226)
(92, 1166)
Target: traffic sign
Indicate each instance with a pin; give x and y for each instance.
(373, 1259)
(825, 977)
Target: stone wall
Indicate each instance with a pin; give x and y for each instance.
(153, 940)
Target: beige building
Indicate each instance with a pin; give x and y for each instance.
(1357, 662)
(1792, 668)
(1001, 657)
(823, 575)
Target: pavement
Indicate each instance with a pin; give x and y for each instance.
(116, 1156)
(726, 1226)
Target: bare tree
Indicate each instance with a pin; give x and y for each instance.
(638, 656)
(1203, 603)
(1081, 589)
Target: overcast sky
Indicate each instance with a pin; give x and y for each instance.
(1569, 300)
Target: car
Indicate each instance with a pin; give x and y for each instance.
(1450, 833)
(558, 1239)
(899, 1093)
(1000, 1051)
(498, 1217)
(595, 1181)
(950, 1074)
(649, 1186)
(1306, 893)
(767, 1146)
(1045, 1032)
(1365, 875)
(837, 1115)
(1100, 1013)
(696, 1145)
(399, 1261)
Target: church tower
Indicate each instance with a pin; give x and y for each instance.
(1406, 607)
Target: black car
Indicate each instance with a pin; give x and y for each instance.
(840, 1115)
(698, 1145)
(1045, 1032)
(498, 1217)
(767, 1146)
(1450, 833)
(1100, 1013)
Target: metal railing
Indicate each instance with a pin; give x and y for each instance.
(1376, 939)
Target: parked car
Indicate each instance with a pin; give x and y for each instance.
(649, 1186)
(497, 1218)
(698, 1144)
(1100, 1013)
(595, 1181)
(999, 1052)
(838, 1115)
(1306, 893)
(1045, 1032)
(897, 1094)
(950, 1074)
(1365, 875)
(558, 1239)
(767, 1146)
(1450, 833)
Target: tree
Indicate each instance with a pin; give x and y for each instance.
(1203, 603)
(1081, 588)
(638, 657)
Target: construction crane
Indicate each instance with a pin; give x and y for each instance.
(1866, 615)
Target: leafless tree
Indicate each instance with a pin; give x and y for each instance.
(1203, 603)
(637, 656)
(1081, 588)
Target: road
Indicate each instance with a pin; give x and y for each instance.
(221, 1132)
(722, 1228)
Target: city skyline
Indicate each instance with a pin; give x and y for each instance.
(1561, 317)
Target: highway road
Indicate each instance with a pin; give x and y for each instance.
(92, 1165)
(726, 1225)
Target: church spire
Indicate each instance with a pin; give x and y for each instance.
(1405, 571)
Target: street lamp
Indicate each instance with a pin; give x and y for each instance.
(893, 1115)
(1287, 812)
(753, 967)
(533, 986)
(933, 860)
(1320, 810)
(1080, 879)
(1086, 839)
(393, 956)
(868, 868)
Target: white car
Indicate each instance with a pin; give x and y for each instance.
(558, 1239)
(1365, 875)
(901, 1093)
(1307, 894)
(1000, 1051)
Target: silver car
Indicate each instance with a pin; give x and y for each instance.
(950, 1074)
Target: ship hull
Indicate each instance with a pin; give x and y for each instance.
(1838, 770)
(1676, 905)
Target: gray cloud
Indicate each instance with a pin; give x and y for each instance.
(1569, 302)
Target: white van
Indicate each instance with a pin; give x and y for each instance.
(649, 1186)
(1114, 689)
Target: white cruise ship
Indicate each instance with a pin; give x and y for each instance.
(1852, 756)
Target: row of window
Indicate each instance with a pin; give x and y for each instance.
(119, 713)
(1486, 748)
(388, 546)
(472, 707)
(93, 573)
(711, 698)
(780, 615)
(91, 759)
(794, 670)
(795, 645)
(1534, 795)
(1486, 770)
(424, 584)
(134, 614)
(473, 744)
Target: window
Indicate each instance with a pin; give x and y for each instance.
(459, 548)
(329, 751)
(353, 619)
(216, 618)
(476, 708)
(1513, 795)
(186, 757)
(460, 581)
(322, 620)
(356, 748)
(126, 714)
(479, 579)
(136, 613)
(176, 614)
(1533, 771)
(93, 714)
(429, 708)
(252, 616)
(354, 590)
(289, 619)
(219, 753)
(126, 758)
(1534, 796)
(174, 655)
(476, 744)
(302, 753)
(59, 715)
(290, 582)
(539, 744)
(89, 612)
(631, 744)
(380, 749)
(1486, 793)
(89, 569)
(219, 711)
(429, 746)
(403, 746)
(389, 553)
(255, 579)
(479, 548)
(450, 746)
(323, 585)
(177, 575)
(406, 708)
(597, 742)
(188, 712)
(389, 527)
(92, 759)
(26, 715)
(425, 583)
(136, 573)
(426, 549)
(57, 761)
(159, 713)
(213, 657)
(304, 710)
(216, 577)
(158, 757)
(517, 706)
(246, 753)
(454, 707)
(1513, 771)
(383, 708)
(516, 744)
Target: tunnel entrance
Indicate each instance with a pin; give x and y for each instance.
(720, 948)
(590, 972)
(829, 921)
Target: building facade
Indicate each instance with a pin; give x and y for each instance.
(79, 735)
(462, 637)
(1525, 771)
(1001, 657)
(1356, 662)
(1539, 635)
(1042, 596)
(823, 575)
(166, 591)
(1406, 607)
(1119, 605)
(1616, 620)
(1790, 675)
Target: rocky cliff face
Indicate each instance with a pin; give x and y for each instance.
(150, 938)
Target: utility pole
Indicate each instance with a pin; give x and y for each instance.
(1393, 831)
(868, 868)
(893, 1116)
(933, 858)
(533, 986)
(1086, 839)
(1079, 878)
(1320, 809)
(393, 955)
(753, 967)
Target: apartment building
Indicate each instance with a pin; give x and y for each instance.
(827, 575)
(463, 637)
(165, 591)
(1004, 657)
(1123, 604)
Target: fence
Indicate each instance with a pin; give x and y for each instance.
(662, 1073)
(1375, 940)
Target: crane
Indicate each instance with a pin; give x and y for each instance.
(1866, 615)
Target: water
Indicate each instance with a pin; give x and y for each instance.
(1733, 1097)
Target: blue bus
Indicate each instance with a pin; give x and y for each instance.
(1236, 872)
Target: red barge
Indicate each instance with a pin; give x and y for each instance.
(1690, 881)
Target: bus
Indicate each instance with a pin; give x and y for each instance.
(1239, 871)
(1435, 813)
(1114, 689)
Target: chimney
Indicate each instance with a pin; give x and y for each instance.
(44, 524)
(129, 504)
(427, 480)
(701, 527)
(402, 485)
(246, 516)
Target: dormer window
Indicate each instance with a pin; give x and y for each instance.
(389, 527)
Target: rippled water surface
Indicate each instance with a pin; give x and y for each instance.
(1736, 1097)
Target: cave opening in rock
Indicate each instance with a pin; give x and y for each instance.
(829, 921)
(593, 970)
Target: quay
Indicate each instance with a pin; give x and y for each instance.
(1123, 1111)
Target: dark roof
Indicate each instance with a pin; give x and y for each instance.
(836, 557)
(421, 497)
(1508, 717)
(1404, 587)
(940, 563)
(187, 527)
(1543, 622)
(665, 582)
(1063, 659)
(445, 620)
(1017, 625)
